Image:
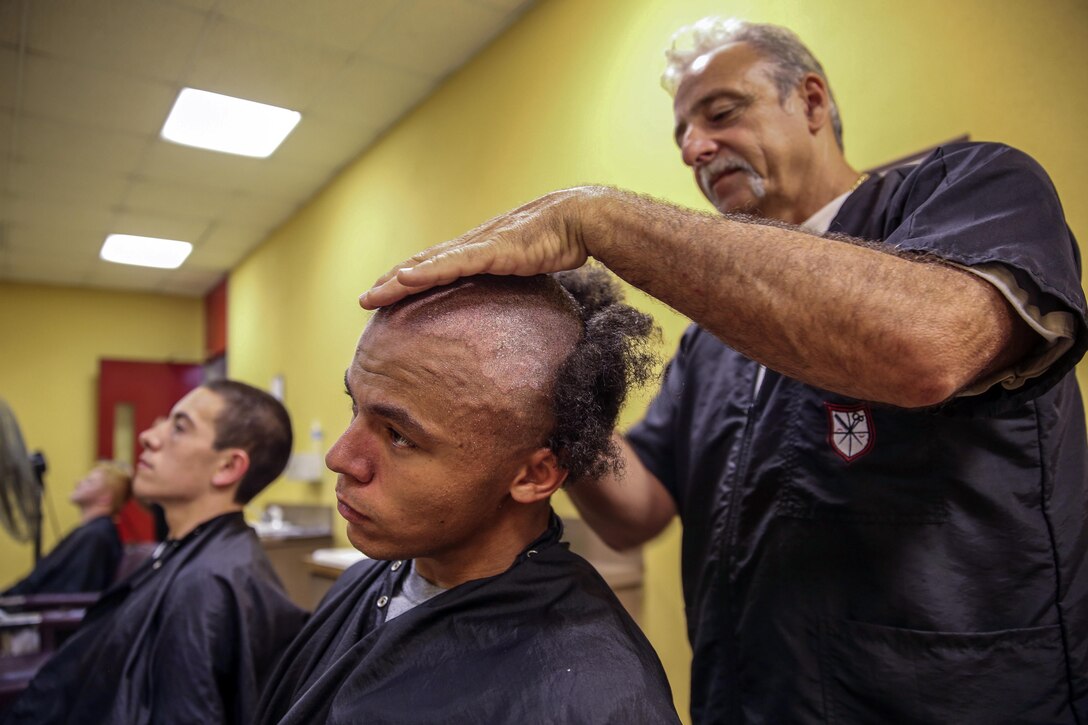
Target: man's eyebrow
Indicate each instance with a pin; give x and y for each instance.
(394, 414)
(401, 418)
(181, 415)
(740, 98)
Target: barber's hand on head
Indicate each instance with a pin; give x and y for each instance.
(545, 235)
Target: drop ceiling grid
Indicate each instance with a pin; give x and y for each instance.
(84, 93)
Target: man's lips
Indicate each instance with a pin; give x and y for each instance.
(728, 172)
(709, 181)
(348, 513)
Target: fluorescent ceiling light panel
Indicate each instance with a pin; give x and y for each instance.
(145, 251)
(231, 125)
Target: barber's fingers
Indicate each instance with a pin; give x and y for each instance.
(429, 253)
(524, 242)
(433, 267)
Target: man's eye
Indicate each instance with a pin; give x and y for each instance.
(398, 440)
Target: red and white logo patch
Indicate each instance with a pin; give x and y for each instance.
(850, 430)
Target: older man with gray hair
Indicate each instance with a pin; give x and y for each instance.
(872, 433)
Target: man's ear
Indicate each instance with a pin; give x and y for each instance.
(817, 101)
(538, 478)
(232, 466)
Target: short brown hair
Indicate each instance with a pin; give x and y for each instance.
(254, 421)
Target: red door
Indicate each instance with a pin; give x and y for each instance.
(150, 390)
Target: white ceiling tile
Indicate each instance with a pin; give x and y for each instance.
(229, 239)
(226, 245)
(327, 143)
(190, 280)
(132, 36)
(9, 70)
(237, 60)
(513, 7)
(23, 211)
(70, 91)
(435, 37)
(79, 146)
(210, 256)
(11, 15)
(7, 127)
(33, 265)
(45, 271)
(174, 163)
(201, 5)
(7, 208)
(164, 227)
(258, 212)
(343, 24)
(68, 242)
(46, 181)
(286, 179)
(125, 276)
(148, 195)
(370, 94)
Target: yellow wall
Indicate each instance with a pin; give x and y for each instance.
(570, 95)
(52, 339)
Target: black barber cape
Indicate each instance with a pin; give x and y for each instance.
(544, 642)
(84, 561)
(848, 562)
(190, 637)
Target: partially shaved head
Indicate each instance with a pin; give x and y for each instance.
(515, 333)
(472, 404)
(525, 362)
(521, 328)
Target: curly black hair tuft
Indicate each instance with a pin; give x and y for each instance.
(614, 354)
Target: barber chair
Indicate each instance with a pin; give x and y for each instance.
(31, 629)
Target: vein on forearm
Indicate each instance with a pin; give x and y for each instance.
(834, 312)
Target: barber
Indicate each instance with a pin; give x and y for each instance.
(872, 432)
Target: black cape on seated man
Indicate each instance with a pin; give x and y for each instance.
(85, 560)
(192, 635)
(470, 406)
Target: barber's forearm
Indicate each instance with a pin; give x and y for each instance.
(836, 315)
(625, 510)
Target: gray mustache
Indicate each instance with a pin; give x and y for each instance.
(720, 165)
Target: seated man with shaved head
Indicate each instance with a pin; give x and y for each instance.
(471, 405)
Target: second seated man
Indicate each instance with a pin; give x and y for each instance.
(192, 635)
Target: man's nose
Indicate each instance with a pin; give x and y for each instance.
(148, 439)
(352, 455)
(697, 148)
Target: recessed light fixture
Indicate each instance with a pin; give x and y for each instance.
(231, 125)
(145, 251)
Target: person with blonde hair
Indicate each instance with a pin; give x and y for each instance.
(85, 560)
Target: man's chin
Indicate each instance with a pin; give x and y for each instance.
(367, 545)
(143, 490)
(733, 205)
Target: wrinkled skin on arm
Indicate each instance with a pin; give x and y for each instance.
(837, 315)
